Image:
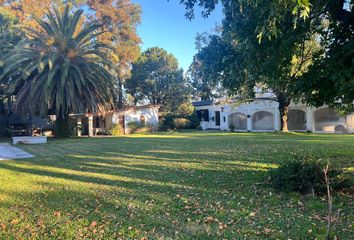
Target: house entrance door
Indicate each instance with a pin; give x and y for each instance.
(217, 118)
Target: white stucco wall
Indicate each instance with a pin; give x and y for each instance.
(151, 115)
(248, 109)
(340, 124)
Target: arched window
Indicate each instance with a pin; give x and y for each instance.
(328, 120)
(263, 121)
(296, 120)
(238, 121)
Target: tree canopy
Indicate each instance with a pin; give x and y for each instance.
(157, 79)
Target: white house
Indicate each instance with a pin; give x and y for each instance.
(262, 115)
(100, 124)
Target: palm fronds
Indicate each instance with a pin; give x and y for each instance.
(62, 68)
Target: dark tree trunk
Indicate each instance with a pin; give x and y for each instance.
(284, 103)
(63, 127)
(2, 107)
(120, 94)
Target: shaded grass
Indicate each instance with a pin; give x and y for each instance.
(182, 186)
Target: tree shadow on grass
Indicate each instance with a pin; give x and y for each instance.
(123, 200)
(147, 184)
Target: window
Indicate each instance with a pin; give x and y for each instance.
(224, 119)
(142, 120)
(263, 120)
(203, 115)
(238, 121)
(296, 120)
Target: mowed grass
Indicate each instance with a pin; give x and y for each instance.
(168, 186)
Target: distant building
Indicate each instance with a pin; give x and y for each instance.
(262, 115)
(100, 124)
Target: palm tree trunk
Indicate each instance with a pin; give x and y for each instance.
(63, 127)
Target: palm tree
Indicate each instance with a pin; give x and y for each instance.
(62, 68)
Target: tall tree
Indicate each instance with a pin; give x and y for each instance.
(119, 18)
(157, 79)
(9, 38)
(330, 80)
(60, 69)
(203, 74)
(241, 61)
(284, 44)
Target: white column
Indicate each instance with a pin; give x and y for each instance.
(310, 124)
(90, 126)
(249, 121)
(277, 119)
(79, 126)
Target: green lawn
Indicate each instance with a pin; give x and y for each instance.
(161, 186)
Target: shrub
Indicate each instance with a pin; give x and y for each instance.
(147, 128)
(181, 123)
(232, 128)
(134, 127)
(116, 130)
(171, 121)
(194, 121)
(5, 132)
(306, 176)
(64, 128)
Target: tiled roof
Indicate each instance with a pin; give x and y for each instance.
(203, 103)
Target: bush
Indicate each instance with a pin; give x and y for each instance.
(232, 128)
(136, 127)
(64, 127)
(5, 132)
(181, 123)
(306, 176)
(147, 128)
(173, 122)
(116, 130)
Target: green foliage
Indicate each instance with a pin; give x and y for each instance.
(134, 127)
(181, 123)
(238, 61)
(185, 117)
(204, 75)
(332, 76)
(9, 37)
(62, 69)
(156, 77)
(301, 50)
(174, 122)
(306, 176)
(185, 109)
(117, 130)
(64, 127)
(137, 127)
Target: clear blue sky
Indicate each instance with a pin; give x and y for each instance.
(164, 25)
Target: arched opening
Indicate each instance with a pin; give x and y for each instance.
(296, 120)
(263, 121)
(238, 121)
(328, 120)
